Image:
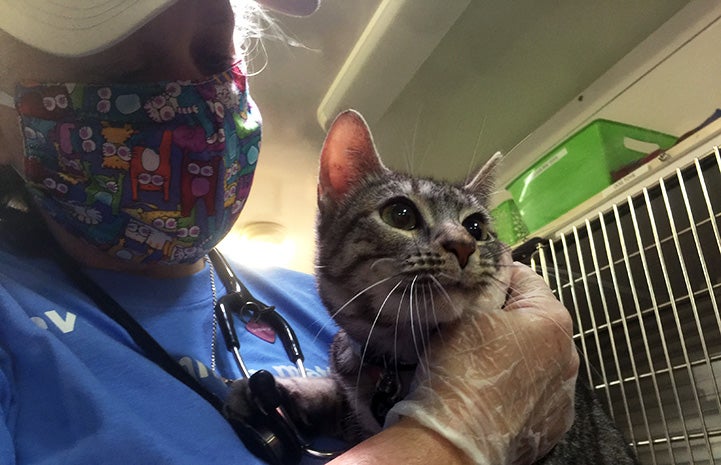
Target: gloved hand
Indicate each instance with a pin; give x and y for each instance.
(500, 384)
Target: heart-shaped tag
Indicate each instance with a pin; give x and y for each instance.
(261, 330)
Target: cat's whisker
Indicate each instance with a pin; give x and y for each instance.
(337, 312)
(438, 285)
(412, 325)
(475, 149)
(376, 262)
(427, 350)
(398, 319)
(377, 283)
(370, 331)
(495, 280)
(410, 159)
(423, 331)
(425, 360)
(429, 288)
(445, 293)
(505, 265)
(503, 286)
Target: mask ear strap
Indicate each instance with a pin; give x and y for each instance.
(6, 100)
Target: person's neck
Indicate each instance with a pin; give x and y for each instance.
(92, 257)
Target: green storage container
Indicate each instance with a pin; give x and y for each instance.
(508, 223)
(579, 168)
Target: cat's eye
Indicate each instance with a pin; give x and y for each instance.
(400, 213)
(477, 227)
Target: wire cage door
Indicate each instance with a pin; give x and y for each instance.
(643, 280)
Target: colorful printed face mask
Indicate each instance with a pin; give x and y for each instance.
(147, 172)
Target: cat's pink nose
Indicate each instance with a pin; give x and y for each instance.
(461, 248)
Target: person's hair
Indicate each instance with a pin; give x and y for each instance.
(251, 23)
(253, 26)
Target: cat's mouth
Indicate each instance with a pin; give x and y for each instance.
(436, 275)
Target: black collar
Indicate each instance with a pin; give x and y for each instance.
(392, 380)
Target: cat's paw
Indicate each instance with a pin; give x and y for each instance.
(315, 406)
(240, 403)
(259, 395)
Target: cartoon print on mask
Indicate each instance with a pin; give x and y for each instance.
(105, 189)
(84, 213)
(164, 106)
(142, 243)
(46, 102)
(231, 189)
(150, 169)
(73, 145)
(148, 172)
(200, 181)
(239, 176)
(182, 228)
(116, 154)
(67, 156)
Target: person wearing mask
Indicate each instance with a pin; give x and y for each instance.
(128, 141)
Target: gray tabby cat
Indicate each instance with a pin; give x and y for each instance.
(399, 257)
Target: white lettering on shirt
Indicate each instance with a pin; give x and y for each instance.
(66, 325)
(286, 370)
(39, 322)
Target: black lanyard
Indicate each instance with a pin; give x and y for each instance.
(147, 343)
(265, 437)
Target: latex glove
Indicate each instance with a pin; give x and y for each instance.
(500, 384)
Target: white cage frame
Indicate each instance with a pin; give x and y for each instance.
(642, 276)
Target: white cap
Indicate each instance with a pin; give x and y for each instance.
(84, 27)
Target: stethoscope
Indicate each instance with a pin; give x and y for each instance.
(273, 437)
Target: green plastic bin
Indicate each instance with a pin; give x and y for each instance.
(579, 168)
(508, 223)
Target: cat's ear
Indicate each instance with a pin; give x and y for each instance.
(483, 182)
(348, 155)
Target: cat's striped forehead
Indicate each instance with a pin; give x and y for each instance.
(433, 199)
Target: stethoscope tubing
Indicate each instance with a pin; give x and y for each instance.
(238, 297)
(240, 300)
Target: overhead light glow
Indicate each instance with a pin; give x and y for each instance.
(259, 245)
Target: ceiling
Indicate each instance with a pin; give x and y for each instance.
(442, 88)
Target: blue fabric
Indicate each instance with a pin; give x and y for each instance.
(75, 389)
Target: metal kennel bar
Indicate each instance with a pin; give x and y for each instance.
(642, 277)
